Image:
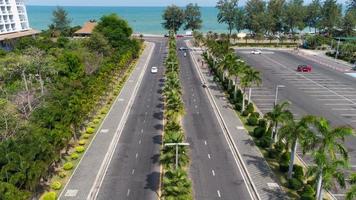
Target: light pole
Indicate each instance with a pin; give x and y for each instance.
(337, 49)
(276, 96)
(176, 144)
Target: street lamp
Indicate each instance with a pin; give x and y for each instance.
(176, 144)
(276, 96)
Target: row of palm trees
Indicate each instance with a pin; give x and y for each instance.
(176, 183)
(314, 134)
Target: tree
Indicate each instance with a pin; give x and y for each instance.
(330, 16)
(60, 21)
(294, 15)
(237, 70)
(193, 19)
(173, 17)
(349, 22)
(249, 78)
(326, 144)
(293, 132)
(116, 30)
(228, 10)
(313, 14)
(176, 185)
(9, 119)
(351, 194)
(279, 115)
(99, 44)
(256, 16)
(240, 20)
(275, 9)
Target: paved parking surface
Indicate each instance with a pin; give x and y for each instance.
(324, 92)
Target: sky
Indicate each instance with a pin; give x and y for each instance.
(128, 2)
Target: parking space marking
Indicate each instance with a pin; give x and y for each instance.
(344, 109)
(339, 104)
(348, 115)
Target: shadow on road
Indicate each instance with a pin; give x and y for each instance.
(157, 139)
(158, 115)
(152, 181)
(155, 158)
(158, 127)
(253, 160)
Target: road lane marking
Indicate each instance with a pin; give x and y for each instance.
(104, 131)
(331, 99)
(141, 130)
(339, 104)
(121, 99)
(240, 128)
(205, 142)
(343, 109)
(136, 155)
(213, 172)
(139, 142)
(348, 115)
(133, 171)
(209, 156)
(128, 193)
(219, 195)
(71, 193)
(196, 106)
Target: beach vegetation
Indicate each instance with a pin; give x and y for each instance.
(192, 16)
(173, 17)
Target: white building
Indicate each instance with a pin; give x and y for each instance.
(13, 16)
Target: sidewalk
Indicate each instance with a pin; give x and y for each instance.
(86, 178)
(257, 167)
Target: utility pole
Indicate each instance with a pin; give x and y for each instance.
(337, 49)
(177, 146)
(276, 95)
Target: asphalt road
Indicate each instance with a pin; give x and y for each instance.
(134, 172)
(323, 92)
(213, 170)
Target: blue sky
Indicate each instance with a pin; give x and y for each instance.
(128, 2)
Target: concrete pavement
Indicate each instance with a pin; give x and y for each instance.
(87, 177)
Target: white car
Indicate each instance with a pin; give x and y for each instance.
(154, 70)
(256, 51)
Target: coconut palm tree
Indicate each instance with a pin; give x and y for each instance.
(293, 132)
(174, 105)
(236, 71)
(329, 152)
(249, 78)
(351, 194)
(176, 185)
(278, 115)
(226, 63)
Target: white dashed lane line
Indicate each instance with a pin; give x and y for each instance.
(209, 156)
(213, 172)
(128, 193)
(133, 171)
(219, 195)
(136, 155)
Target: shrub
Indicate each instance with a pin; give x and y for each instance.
(245, 113)
(255, 114)
(295, 184)
(82, 142)
(86, 136)
(307, 193)
(62, 174)
(96, 121)
(250, 108)
(307, 197)
(298, 172)
(264, 142)
(285, 157)
(90, 130)
(252, 120)
(238, 106)
(49, 196)
(258, 132)
(79, 149)
(279, 146)
(74, 156)
(272, 153)
(56, 185)
(68, 166)
(283, 167)
(262, 123)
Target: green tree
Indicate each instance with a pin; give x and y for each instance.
(115, 30)
(240, 20)
(193, 19)
(326, 144)
(349, 22)
(9, 119)
(256, 16)
(275, 9)
(173, 17)
(279, 115)
(250, 77)
(313, 14)
(228, 10)
(60, 21)
(351, 193)
(176, 185)
(330, 16)
(293, 132)
(99, 44)
(294, 15)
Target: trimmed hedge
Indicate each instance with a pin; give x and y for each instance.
(79, 149)
(68, 166)
(62, 174)
(56, 185)
(74, 156)
(82, 142)
(49, 196)
(90, 130)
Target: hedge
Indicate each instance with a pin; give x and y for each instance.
(74, 156)
(49, 196)
(79, 149)
(68, 166)
(56, 185)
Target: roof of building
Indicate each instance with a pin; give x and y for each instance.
(9, 36)
(87, 28)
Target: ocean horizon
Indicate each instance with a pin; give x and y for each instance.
(147, 20)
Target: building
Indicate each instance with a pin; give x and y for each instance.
(13, 22)
(86, 30)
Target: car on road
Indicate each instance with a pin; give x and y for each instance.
(183, 48)
(179, 36)
(166, 35)
(154, 70)
(256, 51)
(304, 68)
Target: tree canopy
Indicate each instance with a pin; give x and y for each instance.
(192, 17)
(173, 17)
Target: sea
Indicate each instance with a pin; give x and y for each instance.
(146, 20)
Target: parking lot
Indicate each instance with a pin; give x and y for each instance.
(321, 92)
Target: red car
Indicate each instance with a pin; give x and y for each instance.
(179, 36)
(304, 68)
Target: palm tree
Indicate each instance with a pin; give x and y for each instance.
(292, 132)
(351, 194)
(236, 71)
(174, 105)
(176, 185)
(249, 78)
(278, 115)
(327, 143)
(226, 63)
